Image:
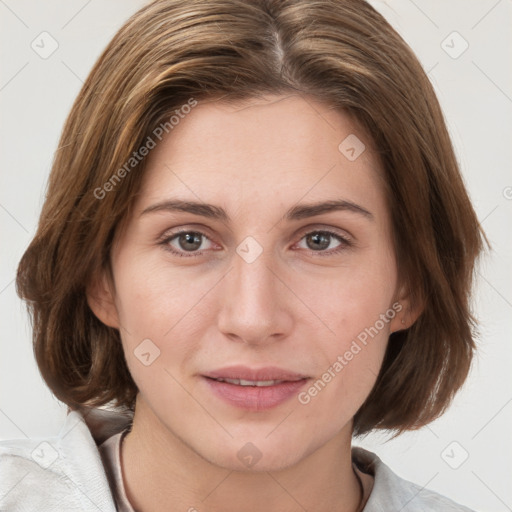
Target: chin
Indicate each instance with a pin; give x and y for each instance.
(257, 455)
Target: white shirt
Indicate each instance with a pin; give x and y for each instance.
(79, 469)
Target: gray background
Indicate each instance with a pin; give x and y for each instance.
(475, 91)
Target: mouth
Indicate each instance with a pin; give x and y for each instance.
(257, 383)
(254, 389)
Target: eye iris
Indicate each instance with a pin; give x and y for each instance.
(320, 241)
(190, 241)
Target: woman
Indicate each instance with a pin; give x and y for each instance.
(256, 244)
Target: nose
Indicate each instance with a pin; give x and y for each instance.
(254, 307)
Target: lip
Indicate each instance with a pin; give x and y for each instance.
(254, 398)
(246, 373)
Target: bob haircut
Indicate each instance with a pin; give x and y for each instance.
(171, 54)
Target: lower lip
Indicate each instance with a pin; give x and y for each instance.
(255, 398)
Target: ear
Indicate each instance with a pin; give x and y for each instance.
(100, 297)
(407, 308)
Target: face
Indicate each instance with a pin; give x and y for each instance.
(256, 283)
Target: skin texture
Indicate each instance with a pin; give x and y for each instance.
(293, 307)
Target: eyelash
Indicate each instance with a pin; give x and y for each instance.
(344, 243)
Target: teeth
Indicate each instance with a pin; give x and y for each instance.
(259, 383)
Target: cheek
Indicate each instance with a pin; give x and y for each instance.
(155, 297)
(356, 308)
(351, 298)
(351, 366)
(162, 311)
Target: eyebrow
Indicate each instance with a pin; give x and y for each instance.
(295, 213)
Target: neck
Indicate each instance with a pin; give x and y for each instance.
(161, 472)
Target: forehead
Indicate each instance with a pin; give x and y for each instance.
(275, 148)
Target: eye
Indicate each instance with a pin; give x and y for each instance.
(319, 241)
(183, 242)
(192, 243)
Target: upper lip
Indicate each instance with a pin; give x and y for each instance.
(255, 374)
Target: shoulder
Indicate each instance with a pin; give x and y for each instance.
(391, 492)
(64, 472)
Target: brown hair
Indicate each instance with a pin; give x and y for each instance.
(340, 52)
